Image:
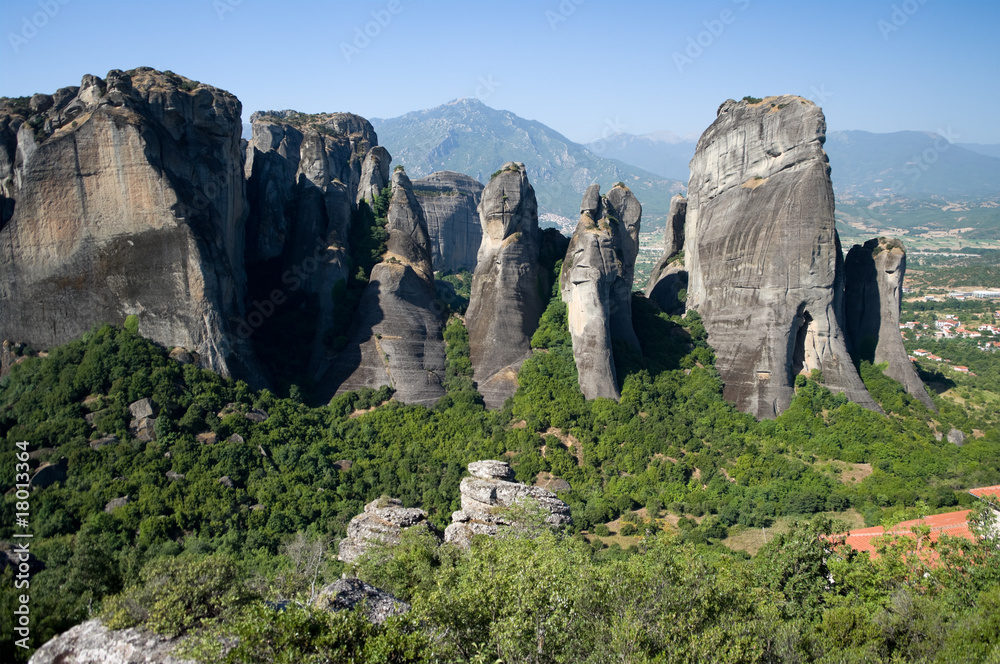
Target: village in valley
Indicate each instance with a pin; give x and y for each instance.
(951, 316)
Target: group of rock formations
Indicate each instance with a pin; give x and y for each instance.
(397, 337)
(305, 176)
(134, 195)
(486, 498)
(490, 497)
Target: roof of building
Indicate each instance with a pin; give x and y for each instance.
(950, 523)
(984, 491)
(954, 524)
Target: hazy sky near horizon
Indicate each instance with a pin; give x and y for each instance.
(587, 68)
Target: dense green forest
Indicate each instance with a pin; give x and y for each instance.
(229, 510)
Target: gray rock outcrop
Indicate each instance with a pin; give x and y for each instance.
(596, 285)
(121, 197)
(345, 594)
(141, 409)
(116, 503)
(505, 305)
(306, 175)
(397, 337)
(485, 495)
(374, 174)
(382, 523)
(669, 277)
(143, 424)
(762, 254)
(91, 642)
(873, 295)
(450, 202)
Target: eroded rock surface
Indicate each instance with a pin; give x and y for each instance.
(397, 337)
(669, 277)
(123, 196)
(306, 175)
(450, 202)
(345, 594)
(91, 642)
(762, 253)
(505, 303)
(872, 299)
(374, 174)
(382, 522)
(487, 493)
(596, 285)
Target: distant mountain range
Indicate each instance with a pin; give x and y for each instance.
(470, 137)
(903, 164)
(909, 164)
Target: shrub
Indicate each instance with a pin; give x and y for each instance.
(177, 595)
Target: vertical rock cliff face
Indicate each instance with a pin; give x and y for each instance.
(596, 285)
(305, 175)
(125, 196)
(374, 174)
(450, 201)
(763, 256)
(872, 299)
(397, 338)
(669, 277)
(505, 303)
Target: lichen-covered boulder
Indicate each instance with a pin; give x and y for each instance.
(91, 642)
(382, 523)
(346, 594)
(486, 498)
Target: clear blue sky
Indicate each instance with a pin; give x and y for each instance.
(583, 67)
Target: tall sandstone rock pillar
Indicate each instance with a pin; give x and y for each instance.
(669, 277)
(397, 337)
(505, 303)
(306, 174)
(125, 196)
(762, 253)
(872, 300)
(596, 285)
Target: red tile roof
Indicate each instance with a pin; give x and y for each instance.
(984, 491)
(951, 523)
(954, 524)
